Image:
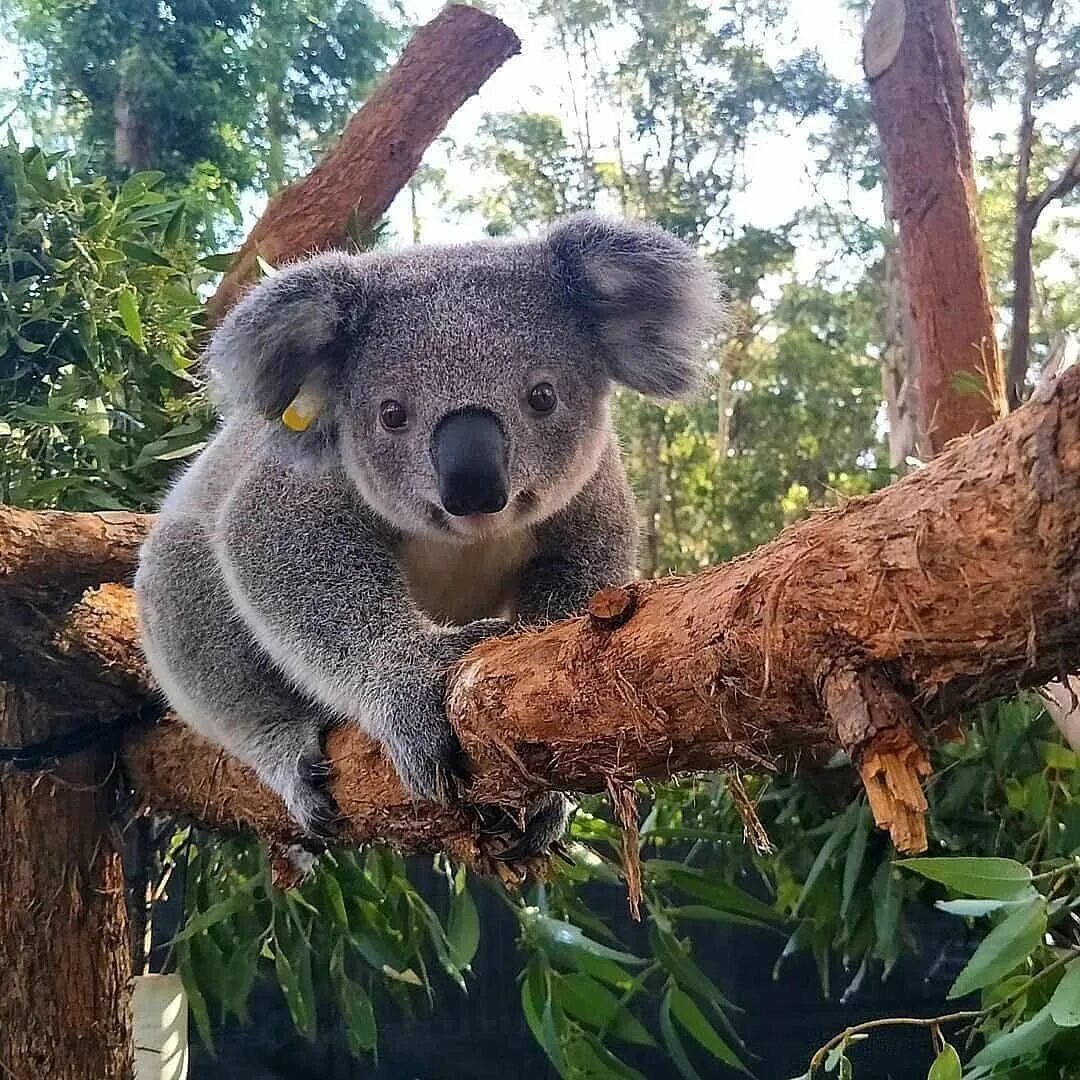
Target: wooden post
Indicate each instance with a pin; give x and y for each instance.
(65, 972)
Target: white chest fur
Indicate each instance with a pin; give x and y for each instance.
(457, 583)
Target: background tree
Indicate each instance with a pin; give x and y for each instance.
(1027, 52)
(247, 91)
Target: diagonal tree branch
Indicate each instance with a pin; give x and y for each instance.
(444, 64)
(1058, 189)
(864, 626)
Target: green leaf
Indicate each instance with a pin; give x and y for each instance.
(565, 940)
(360, 1028)
(673, 1042)
(853, 861)
(175, 227)
(140, 253)
(595, 1004)
(701, 913)
(987, 879)
(670, 952)
(1065, 1001)
(974, 909)
(27, 346)
(599, 967)
(220, 262)
(462, 924)
(536, 1006)
(946, 1065)
(1007, 946)
(588, 1055)
(241, 899)
(1028, 1036)
(839, 834)
(719, 894)
(137, 184)
(1057, 756)
(887, 895)
(290, 987)
(180, 451)
(128, 306)
(693, 1020)
(195, 999)
(335, 899)
(240, 972)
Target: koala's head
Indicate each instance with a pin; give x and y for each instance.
(465, 389)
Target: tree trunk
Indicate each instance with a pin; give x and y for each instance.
(918, 98)
(950, 587)
(65, 992)
(900, 368)
(443, 65)
(133, 141)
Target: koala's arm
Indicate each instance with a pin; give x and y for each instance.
(590, 544)
(315, 577)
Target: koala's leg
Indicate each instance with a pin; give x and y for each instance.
(217, 678)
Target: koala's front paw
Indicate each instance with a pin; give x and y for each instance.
(420, 743)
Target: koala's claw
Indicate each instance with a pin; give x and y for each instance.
(307, 795)
(544, 829)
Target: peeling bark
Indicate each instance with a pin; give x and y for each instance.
(865, 626)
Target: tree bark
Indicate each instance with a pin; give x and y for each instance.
(918, 98)
(443, 65)
(900, 368)
(862, 627)
(133, 139)
(65, 993)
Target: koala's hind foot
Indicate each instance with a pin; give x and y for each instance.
(301, 777)
(546, 821)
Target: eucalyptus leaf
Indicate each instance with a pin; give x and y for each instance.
(1007, 946)
(985, 878)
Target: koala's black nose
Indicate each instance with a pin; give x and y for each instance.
(469, 449)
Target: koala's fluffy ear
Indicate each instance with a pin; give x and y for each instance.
(649, 297)
(293, 325)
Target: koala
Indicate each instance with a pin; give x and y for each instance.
(454, 473)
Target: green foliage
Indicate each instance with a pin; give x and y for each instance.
(221, 85)
(97, 336)
(355, 933)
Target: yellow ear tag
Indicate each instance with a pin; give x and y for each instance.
(302, 410)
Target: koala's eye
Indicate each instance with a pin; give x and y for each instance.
(542, 397)
(392, 415)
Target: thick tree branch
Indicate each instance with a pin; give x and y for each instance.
(444, 64)
(864, 626)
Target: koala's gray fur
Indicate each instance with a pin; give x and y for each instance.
(297, 580)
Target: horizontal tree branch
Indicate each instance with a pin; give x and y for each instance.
(445, 63)
(865, 626)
